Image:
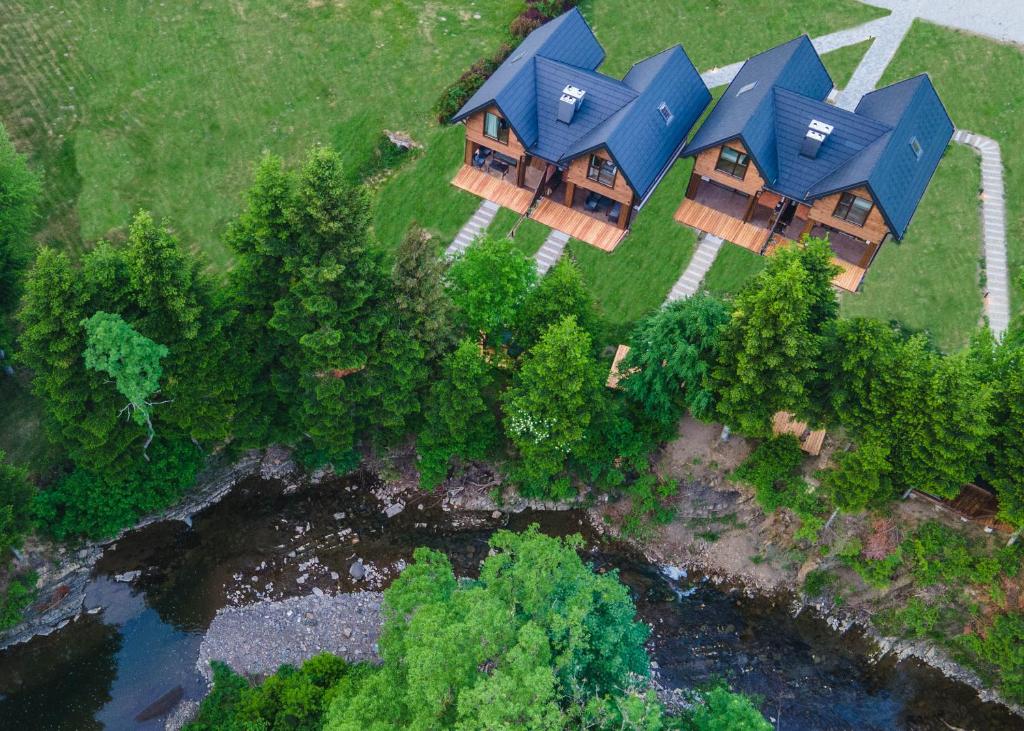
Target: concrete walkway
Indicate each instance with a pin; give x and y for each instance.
(702, 260)
(550, 251)
(889, 36)
(993, 217)
(474, 227)
(998, 19)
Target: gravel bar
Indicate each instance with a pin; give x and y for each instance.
(258, 638)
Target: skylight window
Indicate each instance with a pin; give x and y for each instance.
(916, 147)
(665, 112)
(746, 88)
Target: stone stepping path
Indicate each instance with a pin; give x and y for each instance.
(702, 260)
(474, 227)
(993, 217)
(550, 251)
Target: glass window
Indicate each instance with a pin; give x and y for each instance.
(666, 113)
(853, 209)
(732, 162)
(916, 147)
(496, 128)
(602, 171)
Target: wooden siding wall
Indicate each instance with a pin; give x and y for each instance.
(873, 230)
(475, 134)
(576, 173)
(705, 166)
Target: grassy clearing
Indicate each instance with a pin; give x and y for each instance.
(529, 236)
(842, 62)
(734, 267)
(714, 33)
(172, 103)
(982, 85)
(635, 278)
(929, 281)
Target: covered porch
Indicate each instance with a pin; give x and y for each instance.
(705, 218)
(848, 279)
(584, 214)
(492, 187)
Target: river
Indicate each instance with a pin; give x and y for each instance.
(259, 542)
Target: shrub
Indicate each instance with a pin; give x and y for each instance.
(1003, 647)
(523, 25)
(817, 581)
(19, 594)
(458, 92)
(649, 494)
(386, 156)
(96, 505)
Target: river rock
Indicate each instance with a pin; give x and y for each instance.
(392, 510)
(128, 576)
(357, 571)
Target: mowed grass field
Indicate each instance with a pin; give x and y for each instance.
(982, 85)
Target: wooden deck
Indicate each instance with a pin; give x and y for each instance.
(578, 225)
(848, 279)
(502, 192)
(703, 218)
(810, 441)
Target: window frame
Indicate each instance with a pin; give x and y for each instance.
(846, 205)
(915, 146)
(729, 167)
(596, 168)
(502, 128)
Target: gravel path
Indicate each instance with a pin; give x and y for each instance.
(258, 638)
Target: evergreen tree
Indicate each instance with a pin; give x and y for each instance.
(671, 355)
(862, 478)
(397, 378)
(261, 237)
(559, 294)
(459, 423)
(489, 284)
(15, 495)
(549, 408)
(81, 408)
(768, 351)
(333, 313)
(19, 194)
(423, 307)
(1005, 464)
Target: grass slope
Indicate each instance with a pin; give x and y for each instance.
(842, 62)
(733, 267)
(982, 84)
(929, 281)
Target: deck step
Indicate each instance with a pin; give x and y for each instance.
(700, 263)
(474, 227)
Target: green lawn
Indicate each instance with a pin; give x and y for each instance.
(713, 32)
(929, 281)
(733, 267)
(842, 62)
(636, 277)
(982, 85)
(529, 236)
(168, 105)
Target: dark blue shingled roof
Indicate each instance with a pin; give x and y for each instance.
(868, 147)
(620, 115)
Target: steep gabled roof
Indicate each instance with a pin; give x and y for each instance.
(621, 115)
(639, 137)
(747, 109)
(771, 102)
(891, 168)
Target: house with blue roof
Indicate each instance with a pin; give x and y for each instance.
(774, 161)
(547, 128)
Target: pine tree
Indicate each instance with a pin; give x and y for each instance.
(559, 293)
(459, 423)
(423, 307)
(550, 406)
(81, 408)
(671, 355)
(261, 237)
(768, 351)
(1005, 465)
(333, 312)
(862, 478)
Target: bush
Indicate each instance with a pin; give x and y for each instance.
(938, 554)
(386, 156)
(817, 582)
(15, 499)
(649, 494)
(97, 506)
(16, 598)
(1003, 647)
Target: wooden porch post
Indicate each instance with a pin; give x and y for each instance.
(750, 206)
(624, 213)
(691, 189)
(521, 172)
(865, 261)
(807, 227)
(469, 152)
(570, 193)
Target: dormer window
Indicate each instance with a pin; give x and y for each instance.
(666, 113)
(495, 128)
(746, 87)
(916, 147)
(602, 171)
(732, 162)
(853, 209)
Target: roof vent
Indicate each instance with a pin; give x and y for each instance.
(571, 100)
(817, 133)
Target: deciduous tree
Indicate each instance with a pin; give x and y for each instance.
(489, 284)
(558, 294)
